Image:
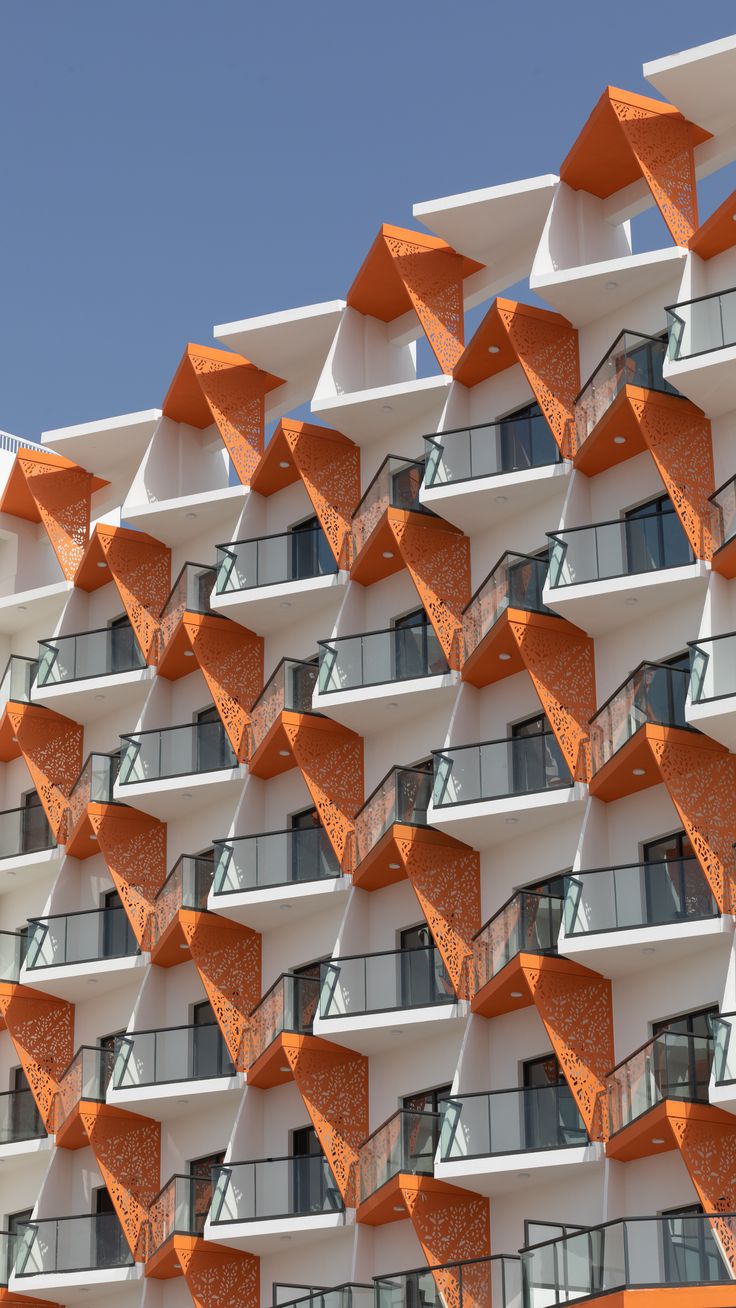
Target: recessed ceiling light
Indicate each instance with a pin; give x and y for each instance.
(619, 440)
(285, 1069)
(511, 822)
(517, 994)
(285, 907)
(649, 949)
(190, 515)
(14, 740)
(284, 1237)
(657, 1139)
(399, 1208)
(92, 981)
(102, 564)
(285, 604)
(388, 554)
(493, 349)
(504, 657)
(184, 946)
(639, 772)
(733, 217)
(182, 1101)
(631, 601)
(387, 408)
(99, 696)
(187, 794)
(502, 499)
(188, 653)
(392, 704)
(284, 753)
(396, 1030)
(284, 463)
(21, 608)
(93, 836)
(394, 867)
(523, 1176)
(611, 286)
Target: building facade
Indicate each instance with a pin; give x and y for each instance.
(369, 780)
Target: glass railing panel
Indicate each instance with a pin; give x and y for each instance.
(289, 1005)
(190, 593)
(396, 485)
(633, 360)
(188, 750)
(724, 1048)
(724, 502)
(87, 1077)
(19, 1117)
(273, 1187)
(511, 1121)
(54, 1245)
(183, 1053)
(713, 668)
(497, 769)
(654, 693)
(516, 582)
(379, 983)
(528, 923)
(637, 895)
(624, 548)
(290, 688)
(475, 1283)
(701, 325)
(89, 654)
(25, 831)
(407, 1142)
(12, 954)
(402, 796)
(94, 785)
(275, 858)
(274, 560)
(180, 1208)
(379, 657)
(187, 886)
(70, 938)
(490, 449)
(671, 1066)
(18, 679)
(350, 1295)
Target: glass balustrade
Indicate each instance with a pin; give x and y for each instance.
(624, 547)
(350, 1295)
(386, 982)
(94, 785)
(190, 593)
(62, 1245)
(288, 689)
(102, 653)
(701, 325)
(528, 923)
(655, 692)
(273, 560)
(187, 886)
(179, 1053)
(180, 1208)
(19, 1118)
(18, 679)
(724, 1048)
(633, 360)
(516, 582)
(396, 485)
(192, 749)
(402, 796)
(633, 1253)
(519, 1120)
(473, 1283)
(87, 1077)
(713, 668)
(85, 937)
(12, 954)
(289, 1005)
(274, 858)
(724, 508)
(498, 769)
(637, 895)
(25, 831)
(673, 1065)
(489, 449)
(407, 1142)
(379, 657)
(268, 1188)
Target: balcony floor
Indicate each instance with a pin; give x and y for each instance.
(369, 1033)
(491, 821)
(178, 520)
(602, 606)
(384, 412)
(165, 798)
(389, 704)
(262, 910)
(92, 697)
(266, 1236)
(26, 607)
(269, 608)
(501, 1173)
(619, 953)
(75, 981)
(716, 717)
(475, 502)
(119, 1284)
(215, 1095)
(31, 868)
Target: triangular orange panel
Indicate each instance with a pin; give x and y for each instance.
(133, 845)
(52, 747)
(330, 758)
(42, 1030)
(231, 660)
(227, 956)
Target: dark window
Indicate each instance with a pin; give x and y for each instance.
(25, 1117)
(526, 440)
(213, 747)
(682, 1068)
(35, 829)
(118, 937)
(690, 1252)
(655, 537)
(537, 763)
(109, 1239)
(306, 855)
(311, 555)
(423, 976)
(426, 1101)
(406, 483)
(551, 1114)
(209, 1056)
(200, 1170)
(416, 648)
(124, 649)
(308, 1171)
(675, 886)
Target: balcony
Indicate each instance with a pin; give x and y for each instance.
(180, 1208)
(636, 1253)
(528, 923)
(516, 582)
(403, 1146)
(65, 949)
(598, 575)
(256, 875)
(702, 350)
(396, 485)
(614, 916)
(70, 1255)
(256, 1203)
(175, 1069)
(27, 846)
(289, 689)
(653, 696)
(349, 1295)
(164, 769)
(366, 1000)
(270, 581)
(86, 1079)
(475, 1282)
(482, 1135)
(18, 680)
(287, 1008)
(503, 468)
(361, 678)
(479, 791)
(671, 1066)
(711, 705)
(401, 798)
(21, 1124)
(94, 785)
(606, 433)
(94, 672)
(186, 887)
(189, 594)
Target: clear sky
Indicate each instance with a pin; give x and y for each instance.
(172, 164)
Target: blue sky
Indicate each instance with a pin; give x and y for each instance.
(169, 164)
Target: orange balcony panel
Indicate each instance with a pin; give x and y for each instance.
(42, 1030)
(72, 1134)
(451, 1224)
(717, 233)
(23, 1300)
(629, 136)
(330, 758)
(133, 845)
(165, 1263)
(630, 769)
(271, 1068)
(688, 1296)
(9, 747)
(171, 948)
(507, 990)
(218, 386)
(388, 1203)
(406, 270)
(706, 1138)
(603, 448)
(637, 1140)
(327, 463)
(379, 557)
(45, 487)
(231, 660)
(52, 748)
(81, 840)
(496, 656)
(219, 1277)
(227, 956)
(724, 560)
(274, 754)
(175, 659)
(127, 1150)
(140, 567)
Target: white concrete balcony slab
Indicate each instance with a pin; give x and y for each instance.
(499, 226)
(26, 608)
(119, 1285)
(88, 698)
(163, 769)
(79, 981)
(293, 343)
(474, 502)
(114, 447)
(272, 581)
(701, 360)
(178, 520)
(515, 1171)
(255, 1204)
(482, 823)
(65, 1258)
(383, 411)
(169, 1072)
(597, 289)
(698, 81)
(631, 950)
(38, 865)
(260, 879)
